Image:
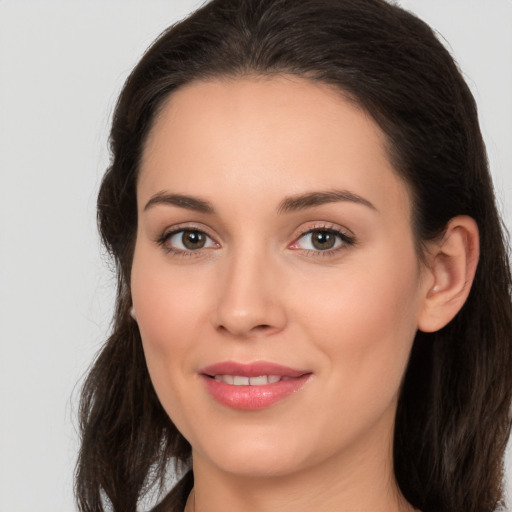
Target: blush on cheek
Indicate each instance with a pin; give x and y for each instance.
(376, 323)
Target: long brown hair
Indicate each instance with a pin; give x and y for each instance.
(453, 416)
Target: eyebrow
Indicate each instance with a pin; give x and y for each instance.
(180, 200)
(289, 204)
(311, 199)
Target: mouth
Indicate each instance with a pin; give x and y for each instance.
(241, 380)
(252, 386)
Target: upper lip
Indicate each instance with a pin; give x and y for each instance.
(254, 369)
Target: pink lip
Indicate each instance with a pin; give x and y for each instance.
(251, 370)
(252, 397)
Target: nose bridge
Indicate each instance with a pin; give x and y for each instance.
(248, 300)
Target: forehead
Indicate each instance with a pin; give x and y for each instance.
(269, 136)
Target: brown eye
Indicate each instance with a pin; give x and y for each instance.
(193, 240)
(186, 240)
(323, 240)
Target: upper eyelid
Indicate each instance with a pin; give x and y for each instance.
(187, 227)
(327, 226)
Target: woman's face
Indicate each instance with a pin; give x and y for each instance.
(275, 280)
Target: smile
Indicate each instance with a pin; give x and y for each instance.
(240, 380)
(252, 386)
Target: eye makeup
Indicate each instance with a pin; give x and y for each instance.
(317, 240)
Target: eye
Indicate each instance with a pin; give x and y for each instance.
(186, 240)
(322, 240)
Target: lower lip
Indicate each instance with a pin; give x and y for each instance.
(253, 397)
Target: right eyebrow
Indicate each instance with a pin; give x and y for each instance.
(180, 200)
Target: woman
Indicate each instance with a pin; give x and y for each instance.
(313, 307)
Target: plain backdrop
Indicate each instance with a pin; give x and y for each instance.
(62, 64)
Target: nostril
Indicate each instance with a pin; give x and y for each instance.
(257, 328)
(262, 327)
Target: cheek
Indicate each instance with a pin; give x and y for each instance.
(169, 315)
(360, 304)
(365, 324)
(168, 306)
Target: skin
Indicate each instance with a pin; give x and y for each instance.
(259, 290)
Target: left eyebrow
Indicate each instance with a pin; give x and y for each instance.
(311, 199)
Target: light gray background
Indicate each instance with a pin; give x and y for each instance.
(62, 64)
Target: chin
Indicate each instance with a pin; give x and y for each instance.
(258, 467)
(255, 458)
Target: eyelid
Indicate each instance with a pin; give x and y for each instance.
(170, 231)
(327, 226)
(346, 236)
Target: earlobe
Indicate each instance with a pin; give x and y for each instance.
(452, 265)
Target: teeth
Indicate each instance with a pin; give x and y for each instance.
(228, 379)
(238, 380)
(258, 381)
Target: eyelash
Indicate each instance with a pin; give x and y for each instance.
(167, 235)
(344, 238)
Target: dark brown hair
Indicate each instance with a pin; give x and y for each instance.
(453, 415)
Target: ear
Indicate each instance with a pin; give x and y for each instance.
(452, 263)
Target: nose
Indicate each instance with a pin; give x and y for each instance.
(250, 298)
